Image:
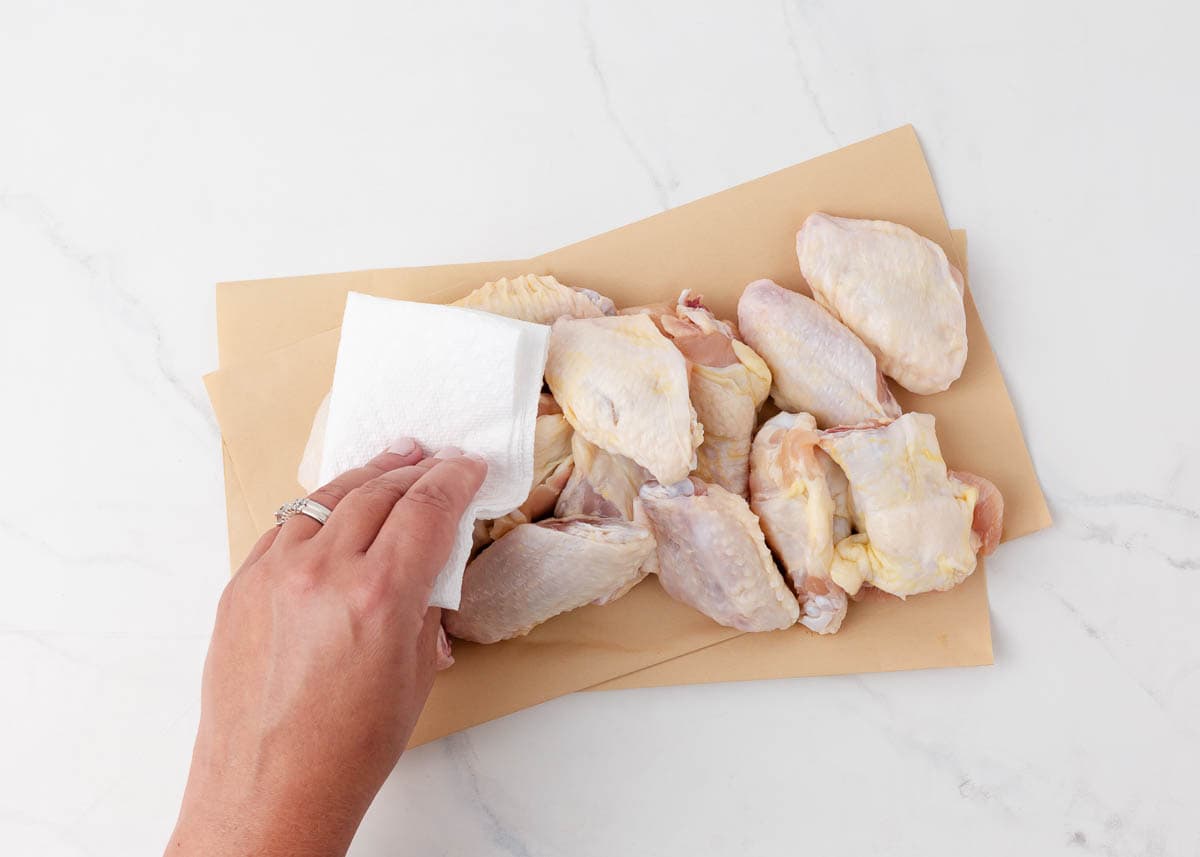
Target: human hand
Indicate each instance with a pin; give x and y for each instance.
(321, 659)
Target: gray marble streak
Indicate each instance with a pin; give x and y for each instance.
(1008, 789)
(943, 757)
(145, 141)
(1135, 498)
(13, 533)
(1114, 534)
(462, 757)
(1108, 534)
(795, 7)
(1101, 638)
(1076, 522)
(662, 187)
(99, 271)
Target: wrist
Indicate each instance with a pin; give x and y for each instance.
(224, 818)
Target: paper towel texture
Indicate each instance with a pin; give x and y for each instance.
(444, 376)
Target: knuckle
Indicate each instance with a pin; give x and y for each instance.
(377, 491)
(370, 593)
(373, 469)
(331, 494)
(434, 498)
(302, 577)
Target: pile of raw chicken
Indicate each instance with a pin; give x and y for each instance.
(652, 456)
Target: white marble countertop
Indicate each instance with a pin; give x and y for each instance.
(151, 149)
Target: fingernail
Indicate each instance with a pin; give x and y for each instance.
(475, 457)
(403, 446)
(449, 452)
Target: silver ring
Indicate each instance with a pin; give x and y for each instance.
(302, 506)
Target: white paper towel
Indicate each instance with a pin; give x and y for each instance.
(444, 376)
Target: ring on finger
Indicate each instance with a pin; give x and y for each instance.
(302, 506)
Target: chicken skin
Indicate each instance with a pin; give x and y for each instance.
(790, 492)
(988, 520)
(538, 571)
(539, 504)
(728, 384)
(602, 484)
(895, 289)
(541, 300)
(624, 387)
(711, 555)
(817, 365)
(551, 470)
(914, 519)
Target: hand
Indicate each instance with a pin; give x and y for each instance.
(321, 659)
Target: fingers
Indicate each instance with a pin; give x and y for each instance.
(416, 539)
(260, 547)
(430, 656)
(445, 654)
(404, 452)
(363, 511)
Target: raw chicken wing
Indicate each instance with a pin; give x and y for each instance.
(551, 470)
(712, 556)
(538, 299)
(443, 654)
(624, 387)
(817, 365)
(655, 311)
(539, 504)
(895, 289)
(988, 520)
(839, 490)
(914, 519)
(728, 384)
(540, 570)
(790, 493)
(602, 484)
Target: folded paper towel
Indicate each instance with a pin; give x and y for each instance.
(444, 376)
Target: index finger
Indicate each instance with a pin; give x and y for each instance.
(418, 535)
(402, 453)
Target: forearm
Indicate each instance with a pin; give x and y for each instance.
(224, 818)
(323, 654)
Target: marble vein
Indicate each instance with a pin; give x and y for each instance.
(98, 270)
(810, 91)
(662, 187)
(1091, 630)
(462, 756)
(1136, 498)
(1109, 533)
(1111, 833)
(941, 757)
(93, 558)
(1054, 751)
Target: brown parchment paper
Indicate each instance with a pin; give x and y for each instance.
(275, 377)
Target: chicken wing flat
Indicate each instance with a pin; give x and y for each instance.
(551, 470)
(914, 519)
(790, 493)
(538, 571)
(541, 300)
(728, 384)
(602, 484)
(711, 555)
(624, 387)
(818, 366)
(895, 289)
